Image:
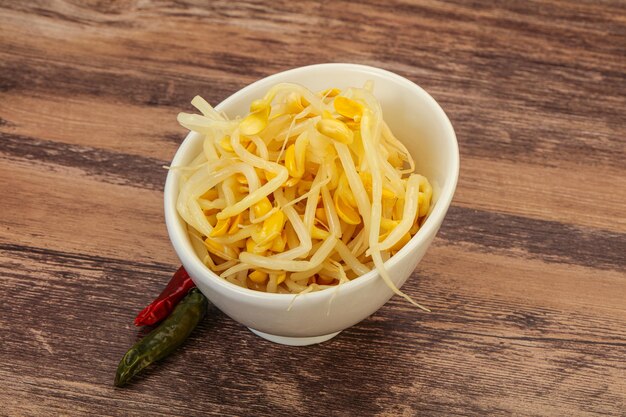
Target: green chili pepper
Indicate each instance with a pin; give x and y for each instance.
(165, 339)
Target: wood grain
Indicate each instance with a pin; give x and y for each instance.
(526, 278)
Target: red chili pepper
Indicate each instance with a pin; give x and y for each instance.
(159, 309)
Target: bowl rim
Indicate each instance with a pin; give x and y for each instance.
(184, 249)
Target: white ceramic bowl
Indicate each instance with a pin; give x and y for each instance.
(418, 121)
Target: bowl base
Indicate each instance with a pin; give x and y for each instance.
(294, 341)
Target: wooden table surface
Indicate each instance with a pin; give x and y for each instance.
(525, 279)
